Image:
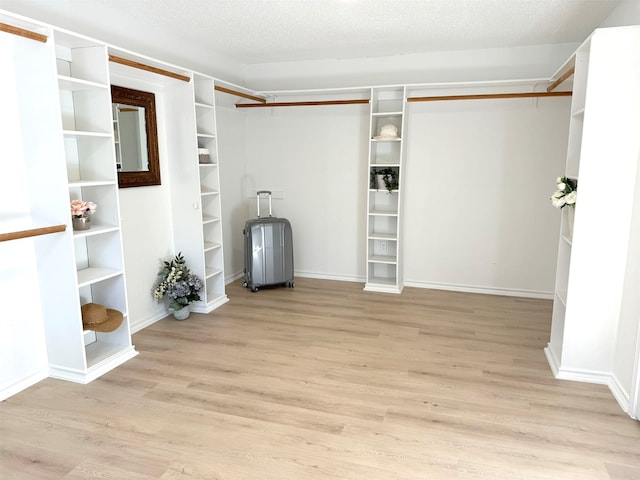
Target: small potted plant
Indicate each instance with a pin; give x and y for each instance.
(386, 177)
(180, 284)
(80, 214)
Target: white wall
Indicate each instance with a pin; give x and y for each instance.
(232, 158)
(317, 157)
(147, 223)
(478, 178)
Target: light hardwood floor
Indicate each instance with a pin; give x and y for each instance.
(326, 381)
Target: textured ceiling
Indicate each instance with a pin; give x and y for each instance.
(265, 31)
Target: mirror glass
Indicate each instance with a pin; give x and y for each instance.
(130, 128)
(135, 137)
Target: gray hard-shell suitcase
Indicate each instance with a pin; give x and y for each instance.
(268, 250)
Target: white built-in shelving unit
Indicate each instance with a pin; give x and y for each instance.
(384, 242)
(592, 279)
(209, 190)
(87, 130)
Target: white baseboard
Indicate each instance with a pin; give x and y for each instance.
(232, 278)
(553, 360)
(620, 394)
(590, 376)
(149, 321)
(23, 384)
(509, 292)
(325, 276)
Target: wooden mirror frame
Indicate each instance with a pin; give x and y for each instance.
(129, 96)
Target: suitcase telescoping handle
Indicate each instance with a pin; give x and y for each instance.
(265, 192)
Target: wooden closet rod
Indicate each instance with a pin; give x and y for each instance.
(239, 94)
(562, 78)
(34, 232)
(23, 33)
(488, 96)
(300, 104)
(148, 68)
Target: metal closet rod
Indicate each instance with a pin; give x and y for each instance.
(34, 232)
(21, 32)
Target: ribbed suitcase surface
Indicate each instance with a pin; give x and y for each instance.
(268, 251)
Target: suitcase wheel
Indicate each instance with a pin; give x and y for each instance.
(245, 284)
(291, 284)
(254, 289)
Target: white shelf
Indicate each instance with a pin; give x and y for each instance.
(562, 300)
(212, 272)
(204, 106)
(388, 259)
(96, 229)
(207, 219)
(206, 135)
(386, 281)
(391, 140)
(210, 246)
(382, 236)
(208, 192)
(82, 133)
(382, 213)
(386, 114)
(90, 275)
(77, 84)
(91, 183)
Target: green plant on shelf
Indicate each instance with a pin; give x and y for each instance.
(389, 177)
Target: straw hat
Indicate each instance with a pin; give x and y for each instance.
(99, 318)
(387, 132)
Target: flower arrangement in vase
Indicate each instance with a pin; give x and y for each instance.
(566, 193)
(179, 284)
(80, 214)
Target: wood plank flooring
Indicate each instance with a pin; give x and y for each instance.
(326, 381)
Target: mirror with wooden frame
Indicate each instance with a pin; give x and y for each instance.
(136, 137)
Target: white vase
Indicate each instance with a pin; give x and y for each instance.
(183, 313)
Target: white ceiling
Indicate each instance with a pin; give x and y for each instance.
(266, 31)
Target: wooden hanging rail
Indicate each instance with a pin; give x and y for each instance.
(148, 68)
(23, 33)
(300, 104)
(488, 96)
(34, 232)
(239, 94)
(561, 79)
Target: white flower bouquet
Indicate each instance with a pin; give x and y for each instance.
(566, 193)
(178, 283)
